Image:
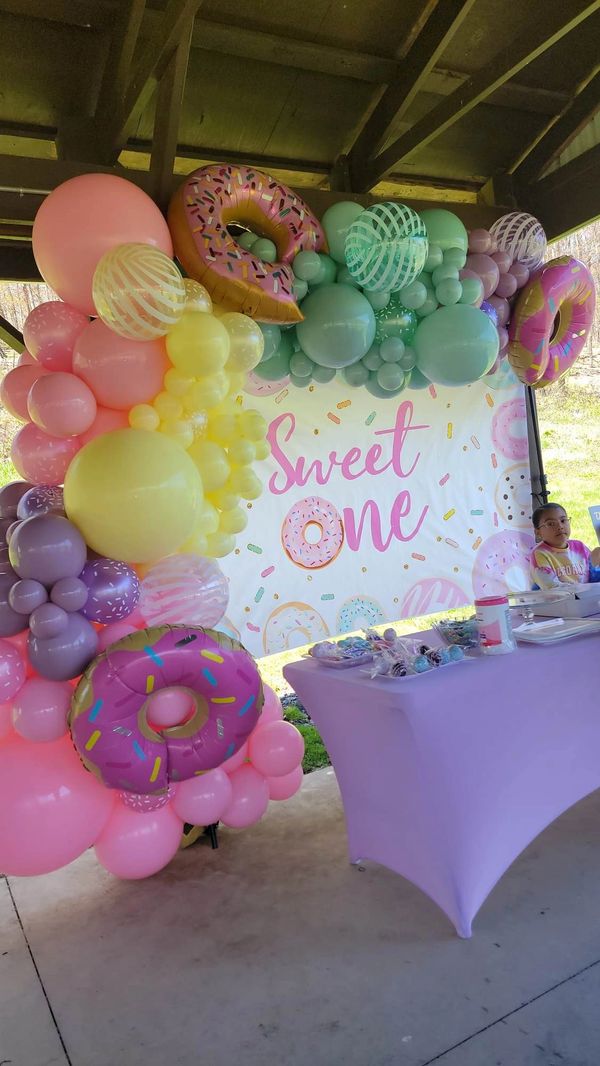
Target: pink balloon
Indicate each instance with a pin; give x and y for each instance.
(272, 711)
(283, 788)
(521, 273)
(507, 286)
(25, 359)
(12, 670)
(464, 273)
(62, 405)
(15, 388)
(52, 809)
(136, 844)
(236, 760)
(503, 338)
(6, 728)
(105, 421)
(202, 800)
(250, 798)
(276, 748)
(50, 332)
(40, 458)
(486, 269)
(502, 309)
(480, 241)
(120, 372)
(169, 707)
(111, 634)
(81, 220)
(41, 709)
(503, 261)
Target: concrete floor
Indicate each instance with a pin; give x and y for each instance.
(273, 950)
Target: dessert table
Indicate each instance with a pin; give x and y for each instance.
(446, 777)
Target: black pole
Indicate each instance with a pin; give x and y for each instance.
(536, 458)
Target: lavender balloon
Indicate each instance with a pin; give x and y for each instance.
(26, 595)
(5, 524)
(41, 499)
(10, 621)
(113, 590)
(47, 548)
(48, 621)
(490, 311)
(65, 656)
(70, 593)
(5, 567)
(9, 497)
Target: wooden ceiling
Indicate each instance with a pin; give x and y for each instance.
(471, 102)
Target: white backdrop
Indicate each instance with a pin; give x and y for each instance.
(396, 508)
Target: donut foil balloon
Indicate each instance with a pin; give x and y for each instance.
(111, 717)
(214, 197)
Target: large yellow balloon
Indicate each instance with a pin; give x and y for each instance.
(135, 495)
(198, 345)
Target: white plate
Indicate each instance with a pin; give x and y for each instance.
(567, 630)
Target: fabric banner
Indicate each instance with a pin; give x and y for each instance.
(376, 510)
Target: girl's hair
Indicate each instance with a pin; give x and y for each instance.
(539, 513)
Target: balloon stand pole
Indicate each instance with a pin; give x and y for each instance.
(193, 833)
(211, 833)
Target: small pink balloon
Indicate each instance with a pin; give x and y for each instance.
(521, 273)
(480, 241)
(486, 269)
(283, 788)
(53, 809)
(503, 338)
(272, 711)
(62, 405)
(41, 709)
(12, 670)
(237, 760)
(120, 372)
(502, 309)
(249, 800)
(276, 748)
(6, 727)
(111, 634)
(40, 458)
(169, 707)
(464, 274)
(507, 286)
(26, 359)
(105, 421)
(81, 220)
(136, 844)
(50, 332)
(202, 800)
(16, 386)
(503, 261)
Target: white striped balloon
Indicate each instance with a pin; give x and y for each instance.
(184, 590)
(522, 236)
(386, 247)
(138, 291)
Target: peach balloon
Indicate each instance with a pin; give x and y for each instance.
(15, 386)
(120, 372)
(40, 458)
(81, 220)
(62, 405)
(25, 359)
(105, 421)
(50, 332)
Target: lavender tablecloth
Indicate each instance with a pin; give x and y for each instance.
(446, 777)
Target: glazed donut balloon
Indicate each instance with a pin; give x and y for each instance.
(213, 197)
(109, 716)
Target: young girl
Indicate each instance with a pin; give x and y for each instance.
(557, 560)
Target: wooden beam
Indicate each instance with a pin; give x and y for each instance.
(167, 117)
(11, 335)
(40, 176)
(18, 264)
(416, 66)
(128, 20)
(149, 72)
(534, 40)
(567, 198)
(557, 135)
(206, 154)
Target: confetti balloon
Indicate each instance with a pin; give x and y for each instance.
(138, 291)
(522, 236)
(184, 589)
(386, 247)
(113, 590)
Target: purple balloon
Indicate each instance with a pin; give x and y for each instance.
(65, 656)
(502, 309)
(11, 529)
(480, 241)
(114, 590)
(26, 595)
(10, 621)
(5, 524)
(41, 499)
(47, 548)
(490, 311)
(521, 273)
(70, 593)
(5, 567)
(507, 286)
(486, 269)
(9, 497)
(47, 621)
(503, 261)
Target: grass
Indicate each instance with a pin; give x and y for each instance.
(570, 431)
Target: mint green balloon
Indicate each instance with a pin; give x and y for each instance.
(409, 359)
(355, 375)
(455, 257)
(472, 289)
(449, 291)
(323, 374)
(392, 349)
(417, 380)
(278, 366)
(299, 289)
(395, 320)
(430, 305)
(456, 345)
(445, 229)
(391, 377)
(344, 277)
(442, 272)
(301, 366)
(327, 271)
(336, 222)
(306, 266)
(372, 360)
(300, 383)
(378, 300)
(272, 335)
(247, 239)
(265, 249)
(375, 388)
(338, 327)
(414, 295)
(434, 259)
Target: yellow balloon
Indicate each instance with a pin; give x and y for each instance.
(236, 383)
(143, 416)
(209, 518)
(262, 449)
(197, 298)
(178, 429)
(222, 428)
(207, 393)
(198, 345)
(194, 545)
(134, 495)
(253, 425)
(168, 406)
(177, 383)
(241, 452)
(233, 521)
(224, 499)
(246, 339)
(219, 545)
(211, 460)
(245, 481)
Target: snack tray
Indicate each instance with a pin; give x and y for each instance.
(566, 629)
(426, 673)
(341, 664)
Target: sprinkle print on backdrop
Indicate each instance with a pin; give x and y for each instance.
(415, 509)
